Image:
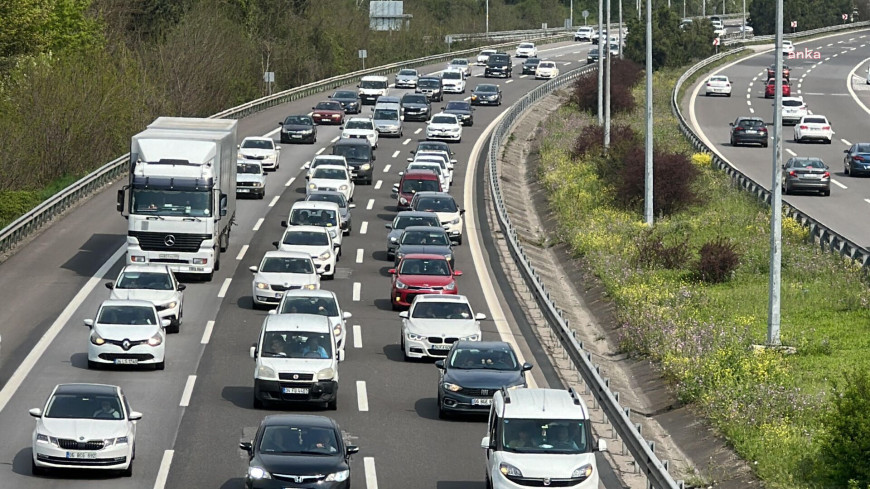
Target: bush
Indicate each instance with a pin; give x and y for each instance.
(625, 75)
(846, 443)
(16, 203)
(718, 260)
(585, 92)
(590, 143)
(653, 252)
(673, 175)
(625, 72)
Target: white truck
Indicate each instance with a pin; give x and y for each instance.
(180, 201)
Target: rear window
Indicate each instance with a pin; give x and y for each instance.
(405, 221)
(451, 75)
(429, 83)
(751, 123)
(792, 103)
(815, 120)
(306, 238)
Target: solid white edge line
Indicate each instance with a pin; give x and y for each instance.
(357, 336)
(370, 205)
(357, 291)
(849, 86)
(242, 252)
(359, 255)
(163, 471)
(320, 151)
(206, 335)
(272, 133)
(259, 223)
(364, 227)
(371, 474)
(474, 245)
(188, 391)
(42, 345)
(362, 398)
(226, 285)
(867, 200)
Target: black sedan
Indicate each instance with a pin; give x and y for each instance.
(486, 94)
(473, 371)
(462, 110)
(425, 239)
(349, 101)
(298, 129)
(857, 160)
(806, 173)
(530, 65)
(301, 451)
(749, 130)
(416, 107)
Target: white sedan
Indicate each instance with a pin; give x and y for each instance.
(360, 127)
(127, 333)
(444, 126)
(813, 127)
(320, 160)
(787, 48)
(526, 50)
(483, 57)
(331, 177)
(546, 69)
(280, 271)
(718, 85)
(263, 150)
(460, 64)
(316, 242)
(153, 283)
(438, 316)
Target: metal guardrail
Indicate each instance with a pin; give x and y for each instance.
(642, 450)
(36, 218)
(825, 236)
(732, 38)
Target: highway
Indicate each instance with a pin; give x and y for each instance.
(200, 407)
(825, 84)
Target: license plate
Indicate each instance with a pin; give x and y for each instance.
(751, 132)
(482, 402)
(169, 256)
(243, 190)
(126, 361)
(81, 455)
(294, 390)
(195, 269)
(441, 347)
(297, 136)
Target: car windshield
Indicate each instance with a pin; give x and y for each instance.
(436, 204)
(408, 72)
(425, 238)
(451, 75)
(434, 167)
(815, 120)
(358, 124)
(298, 120)
(441, 310)
(424, 266)
(274, 264)
(496, 358)
(144, 280)
(328, 106)
(532, 61)
(296, 344)
(253, 168)
(499, 59)
(544, 435)
(127, 315)
(353, 151)
(792, 103)
(328, 161)
(313, 217)
(306, 238)
(414, 99)
(719, 79)
(344, 94)
(547, 64)
(526, 45)
(330, 173)
(82, 406)
(298, 440)
(376, 84)
(443, 119)
(415, 185)
(386, 115)
(593, 51)
(323, 306)
(428, 83)
(258, 144)
(402, 222)
(486, 89)
(459, 62)
(336, 197)
(751, 123)
(457, 105)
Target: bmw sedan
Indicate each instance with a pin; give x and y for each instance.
(349, 100)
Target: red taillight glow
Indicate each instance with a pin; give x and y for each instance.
(827, 175)
(792, 174)
(858, 158)
(826, 128)
(804, 127)
(763, 129)
(738, 128)
(708, 84)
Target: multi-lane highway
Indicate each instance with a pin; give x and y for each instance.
(200, 407)
(825, 82)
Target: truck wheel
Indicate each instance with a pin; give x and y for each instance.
(217, 263)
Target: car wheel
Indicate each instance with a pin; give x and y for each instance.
(826, 192)
(786, 189)
(829, 141)
(396, 308)
(487, 481)
(36, 470)
(258, 404)
(333, 404)
(390, 256)
(402, 341)
(160, 365)
(459, 240)
(442, 414)
(173, 327)
(262, 195)
(733, 143)
(728, 95)
(331, 276)
(128, 472)
(764, 144)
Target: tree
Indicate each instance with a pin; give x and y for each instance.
(672, 45)
(809, 14)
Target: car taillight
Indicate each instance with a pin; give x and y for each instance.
(804, 127)
(792, 174)
(708, 84)
(763, 129)
(827, 175)
(727, 84)
(738, 128)
(858, 158)
(826, 128)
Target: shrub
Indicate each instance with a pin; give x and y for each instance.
(718, 260)
(590, 143)
(625, 72)
(16, 203)
(653, 252)
(673, 175)
(846, 443)
(585, 93)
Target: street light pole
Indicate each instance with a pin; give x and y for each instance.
(600, 65)
(620, 29)
(487, 19)
(607, 86)
(648, 160)
(571, 14)
(744, 20)
(773, 310)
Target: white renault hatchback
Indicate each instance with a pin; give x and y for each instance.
(153, 283)
(444, 127)
(280, 271)
(84, 426)
(127, 332)
(316, 242)
(434, 322)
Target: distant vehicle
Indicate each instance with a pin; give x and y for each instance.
(298, 129)
(339, 198)
(250, 179)
(857, 160)
(318, 301)
(686, 23)
(416, 106)
(592, 56)
(530, 65)
(360, 128)
(349, 100)
(403, 220)
(718, 85)
(413, 182)
(372, 87)
(388, 119)
(770, 88)
(749, 130)
(526, 50)
(262, 150)
(324, 160)
(453, 81)
(793, 109)
(406, 78)
(546, 69)
(460, 64)
(328, 112)
(317, 213)
(445, 206)
(717, 24)
(359, 155)
(584, 34)
(771, 71)
(486, 94)
(317, 242)
(483, 57)
(498, 64)
(432, 240)
(813, 128)
(745, 28)
(803, 173)
(787, 47)
(431, 87)
(335, 178)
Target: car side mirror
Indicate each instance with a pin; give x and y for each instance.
(527, 366)
(485, 443)
(480, 316)
(253, 351)
(238, 146)
(391, 271)
(457, 273)
(312, 108)
(278, 148)
(439, 364)
(247, 447)
(602, 445)
(273, 311)
(732, 124)
(461, 212)
(388, 226)
(351, 449)
(845, 151)
(827, 167)
(253, 269)
(181, 287)
(134, 416)
(403, 314)
(275, 244)
(281, 123)
(283, 224)
(89, 323)
(36, 412)
(307, 166)
(164, 323)
(351, 206)
(346, 315)
(339, 355)
(110, 285)
(401, 173)
(410, 159)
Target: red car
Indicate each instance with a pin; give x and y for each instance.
(420, 273)
(329, 112)
(771, 71)
(770, 88)
(414, 181)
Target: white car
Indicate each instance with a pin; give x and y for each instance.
(250, 179)
(324, 160)
(546, 69)
(717, 24)
(483, 57)
(720, 33)
(446, 169)
(460, 64)
(316, 242)
(322, 302)
(317, 213)
(446, 156)
(584, 34)
(331, 177)
(434, 322)
(360, 127)
(444, 206)
(452, 81)
(745, 28)
(280, 271)
(526, 50)
(263, 150)
(128, 333)
(718, 85)
(435, 168)
(445, 127)
(787, 47)
(406, 78)
(813, 127)
(84, 426)
(793, 109)
(153, 283)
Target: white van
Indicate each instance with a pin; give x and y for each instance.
(540, 437)
(372, 87)
(317, 213)
(296, 361)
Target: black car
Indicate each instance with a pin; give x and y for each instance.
(425, 239)
(431, 87)
(416, 107)
(301, 451)
(461, 109)
(404, 220)
(749, 130)
(359, 155)
(473, 371)
(298, 129)
(592, 56)
(806, 173)
(486, 94)
(349, 100)
(433, 145)
(499, 64)
(530, 65)
(857, 160)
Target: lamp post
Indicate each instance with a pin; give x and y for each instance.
(648, 147)
(600, 65)
(773, 309)
(607, 87)
(487, 19)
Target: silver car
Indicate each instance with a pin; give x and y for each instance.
(250, 179)
(388, 120)
(406, 78)
(153, 283)
(321, 302)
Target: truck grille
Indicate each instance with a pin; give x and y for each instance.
(181, 243)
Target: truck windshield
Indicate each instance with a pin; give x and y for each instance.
(373, 84)
(172, 202)
(564, 436)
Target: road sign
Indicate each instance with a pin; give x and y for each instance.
(585, 13)
(544, 26)
(793, 24)
(448, 39)
(363, 54)
(269, 77)
(845, 16)
(716, 41)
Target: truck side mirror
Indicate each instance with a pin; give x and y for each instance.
(223, 204)
(120, 202)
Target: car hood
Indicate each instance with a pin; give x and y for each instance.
(415, 105)
(297, 365)
(314, 251)
(386, 122)
(406, 77)
(249, 177)
(327, 112)
(481, 378)
(443, 327)
(89, 429)
(155, 296)
(359, 132)
(256, 152)
(451, 81)
(286, 279)
(426, 280)
(442, 127)
(297, 127)
(463, 113)
(427, 249)
(485, 94)
(328, 182)
(346, 100)
(549, 465)
(125, 331)
(301, 464)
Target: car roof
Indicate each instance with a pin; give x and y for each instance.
(424, 256)
(420, 173)
(540, 403)
(416, 214)
(316, 204)
(299, 420)
(155, 268)
(325, 192)
(322, 293)
(87, 389)
(298, 322)
(286, 254)
(374, 78)
(445, 113)
(126, 302)
(429, 193)
(442, 298)
(257, 138)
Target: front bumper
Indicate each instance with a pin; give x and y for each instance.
(177, 262)
(406, 83)
(426, 349)
(404, 297)
(278, 482)
(116, 457)
(394, 131)
(416, 114)
(357, 174)
(453, 89)
(496, 73)
(331, 119)
(278, 391)
(484, 101)
(499, 481)
(473, 402)
(269, 297)
(444, 136)
(142, 354)
(296, 137)
(250, 190)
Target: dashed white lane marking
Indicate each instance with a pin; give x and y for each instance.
(830, 44)
(359, 255)
(747, 95)
(867, 200)
(336, 138)
(838, 42)
(847, 143)
(206, 335)
(524, 76)
(418, 131)
(828, 58)
(839, 184)
(808, 72)
(320, 151)
(378, 184)
(188, 391)
(790, 152)
(566, 63)
(387, 167)
(851, 39)
(396, 153)
(357, 336)
(290, 182)
(863, 45)
(835, 55)
(509, 81)
(226, 285)
(364, 227)
(800, 85)
(165, 463)
(242, 252)
(751, 110)
(357, 290)
(748, 102)
(362, 397)
(272, 132)
(274, 201)
(259, 223)
(467, 99)
(370, 205)
(371, 475)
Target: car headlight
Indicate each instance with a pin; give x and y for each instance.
(473, 337)
(366, 167)
(309, 286)
(122, 440)
(325, 255)
(582, 472)
(399, 256)
(257, 184)
(451, 387)
(343, 187)
(449, 256)
(312, 186)
(510, 470)
(394, 240)
(456, 221)
(326, 374)
(261, 285)
(258, 473)
(400, 285)
(345, 135)
(43, 438)
(171, 305)
(336, 330)
(339, 476)
(97, 339)
(155, 340)
(403, 201)
(450, 286)
(332, 232)
(416, 337)
(266, 373)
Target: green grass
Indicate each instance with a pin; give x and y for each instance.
(16, 203)
(766, 403)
